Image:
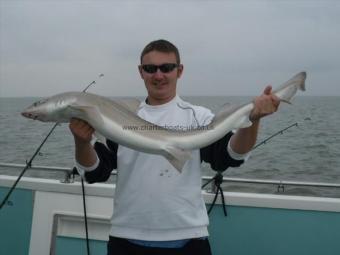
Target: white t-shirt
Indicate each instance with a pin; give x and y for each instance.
(153, 201)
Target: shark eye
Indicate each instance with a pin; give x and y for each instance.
(39, 102)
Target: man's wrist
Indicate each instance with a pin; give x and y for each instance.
(235, 155)
(82, 169)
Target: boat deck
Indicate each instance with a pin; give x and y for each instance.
(46, 217)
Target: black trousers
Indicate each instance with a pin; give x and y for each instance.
(120, 246)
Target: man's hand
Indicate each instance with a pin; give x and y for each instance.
(81, 131)
(244, 139)
(265, 104)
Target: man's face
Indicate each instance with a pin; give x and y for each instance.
(161, 86)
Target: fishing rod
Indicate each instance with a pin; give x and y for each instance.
(280, 132)
(29, 163)
(218, 178)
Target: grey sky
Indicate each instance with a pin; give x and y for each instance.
(227, 47)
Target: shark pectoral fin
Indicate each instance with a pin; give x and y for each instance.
(87, 113)
(177, 157)
(99, 137)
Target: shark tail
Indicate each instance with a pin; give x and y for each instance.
(288, 89)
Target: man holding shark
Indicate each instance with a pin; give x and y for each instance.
(157, 209)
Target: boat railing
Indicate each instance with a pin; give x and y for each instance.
(69, 177)
(68, 171)
(279, 183)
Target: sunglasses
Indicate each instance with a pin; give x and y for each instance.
(164, 68)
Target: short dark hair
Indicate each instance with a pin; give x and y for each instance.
(162, 46)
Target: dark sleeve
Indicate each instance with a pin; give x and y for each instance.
(107, 162)
(216, 154)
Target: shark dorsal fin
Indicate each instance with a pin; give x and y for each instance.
(132, 104)
(228, 109)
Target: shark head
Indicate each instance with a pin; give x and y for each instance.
(49, 109)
